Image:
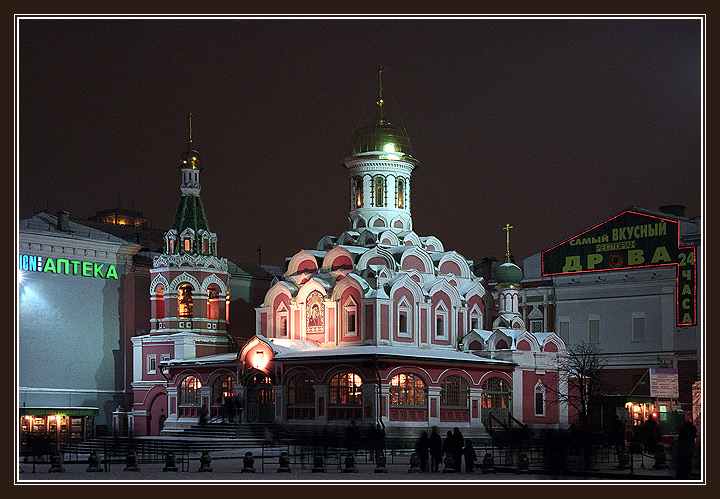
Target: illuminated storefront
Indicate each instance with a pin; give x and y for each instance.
(55, 428)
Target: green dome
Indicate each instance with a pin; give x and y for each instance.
(508, 274)
(380, 135)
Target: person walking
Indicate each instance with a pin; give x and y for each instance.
(423, 449)
(447, 446)
(470, 456)
(457, 448)
(435, 444)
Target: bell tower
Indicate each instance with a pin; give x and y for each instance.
(380, 166)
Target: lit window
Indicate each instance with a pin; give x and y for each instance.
(213, 304)
(407, 390)
(358, 192)
(345, 389)
(401, 194)
(190, 391)
(379, 191)
(185, 301)
(224, 386)
(186, 243)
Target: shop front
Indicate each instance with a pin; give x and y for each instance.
(47, 429)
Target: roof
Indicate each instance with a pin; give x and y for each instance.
(46, 224)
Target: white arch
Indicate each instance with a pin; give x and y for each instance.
(367, 237)
(214, 279)
(185, 277)
(159, 279)
(390, 236)
(411, 238)
(407, 282)
(434, 242)
(297, 259)
(350, 281)
(457, 258)
(530, 338)
(424, 257)
(335, 252)
(374, 252)
(447, 288)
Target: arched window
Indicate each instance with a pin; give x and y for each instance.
(187, 244)
(185, 301)
(190, 391)
(496, 399)
(358, 192)
(213, 303)
(300, 390)
(401, 194)
(539, 399)
(171, 245)
(345, 389)
(454, 393)
(379, 191)
(224, 386)
(407, 390)
(160, 302)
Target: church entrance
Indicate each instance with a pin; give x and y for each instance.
(260, 397)
(496, 401)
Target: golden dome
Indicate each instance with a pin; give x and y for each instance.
(190, 158)
(380, 136)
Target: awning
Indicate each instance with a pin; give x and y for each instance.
(59, 411)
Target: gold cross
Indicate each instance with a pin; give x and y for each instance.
(507, 240)
(190, 116)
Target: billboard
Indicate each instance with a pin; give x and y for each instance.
(664, 383)
(630, 240)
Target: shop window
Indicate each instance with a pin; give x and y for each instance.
(407, 390)
(454, 393)
(300, 390)
(189, 392)
(344, 389)
(185, 301)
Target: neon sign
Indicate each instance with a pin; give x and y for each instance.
(33, 263)
(630, 240)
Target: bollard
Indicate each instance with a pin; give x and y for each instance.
(205, 462)
(56, 463)
(284, 463)
(623, 459)
(170, 462)
(449, 464)
(131, 461)
(523, 464)
(488, 464)
(318, 464)
(660, 461)
(248, 463)
(93, 462)
(414, 463)
(380, 463)
(350, 464)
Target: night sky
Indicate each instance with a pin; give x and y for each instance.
(549, 125)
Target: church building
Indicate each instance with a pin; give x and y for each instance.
(379, 325)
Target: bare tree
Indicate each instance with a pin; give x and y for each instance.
(582, 371)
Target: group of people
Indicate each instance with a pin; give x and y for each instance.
(230, 408)
(432, 448)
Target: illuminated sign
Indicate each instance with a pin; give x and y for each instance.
(33, 263)
(664, 383)
(630, 240)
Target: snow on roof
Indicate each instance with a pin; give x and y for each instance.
(207, 359)
(46, 224)
(386, 351)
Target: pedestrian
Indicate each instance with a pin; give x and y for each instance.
(423, 449)
(352, 436)
(470, 456)
(239, 406)
(203, 415)
(447, 446)
(618, 431)
(229, 407)
(652, 435)
(687, 433)
(221, 402)
(435, 443)
(457, 448)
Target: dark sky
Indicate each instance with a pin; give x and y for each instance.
(550, 125)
